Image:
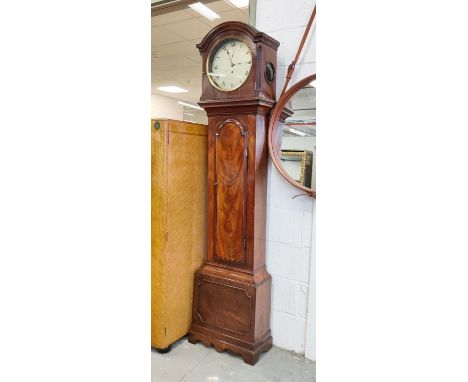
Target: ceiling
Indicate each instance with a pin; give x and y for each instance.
(175, 60)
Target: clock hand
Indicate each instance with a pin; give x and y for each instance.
(237, 63)
(230, 59)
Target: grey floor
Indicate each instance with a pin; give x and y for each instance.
(199, 363)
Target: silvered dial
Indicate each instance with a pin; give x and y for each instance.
(230, 63)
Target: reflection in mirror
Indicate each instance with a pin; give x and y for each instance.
(298, 145)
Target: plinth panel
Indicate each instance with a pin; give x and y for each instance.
(232, 311)
(224, 307)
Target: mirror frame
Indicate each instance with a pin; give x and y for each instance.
(275, 128)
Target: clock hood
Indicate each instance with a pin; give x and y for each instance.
(229, 26)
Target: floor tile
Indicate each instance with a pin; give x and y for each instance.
(180, 361)
(199, 363)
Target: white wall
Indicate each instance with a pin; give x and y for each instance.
(165, 107)
(310, 332)
(290, 254)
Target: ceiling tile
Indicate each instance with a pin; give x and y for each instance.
(170, 18)
(185, 48)
(160, 36)
(197, 59)
(189, 29)
(220, 6)
(233, 15)
(190, 11)
(170, 64)
(159, 75)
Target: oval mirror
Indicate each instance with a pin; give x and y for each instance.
(292, 135)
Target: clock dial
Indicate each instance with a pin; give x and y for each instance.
(229, 64)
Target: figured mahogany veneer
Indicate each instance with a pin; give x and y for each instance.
(232, 291)
(230, 181)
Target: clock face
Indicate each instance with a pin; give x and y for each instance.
(229, 64)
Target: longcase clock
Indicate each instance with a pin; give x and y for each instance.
(232, 291)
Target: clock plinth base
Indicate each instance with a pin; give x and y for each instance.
(231, 311)
(250, 356)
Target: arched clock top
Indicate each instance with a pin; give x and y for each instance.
(230, 26)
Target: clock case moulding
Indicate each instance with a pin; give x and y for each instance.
(232, 291)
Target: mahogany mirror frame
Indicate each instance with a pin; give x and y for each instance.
(275, 130)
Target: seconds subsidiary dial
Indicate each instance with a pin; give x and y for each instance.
(229, 64)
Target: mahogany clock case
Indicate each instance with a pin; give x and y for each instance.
(232, 291)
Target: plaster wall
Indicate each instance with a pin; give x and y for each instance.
(290, 243)
(166, 107)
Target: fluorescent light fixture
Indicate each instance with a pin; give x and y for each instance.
(204, 11)
(172, 89)
(297, 132)
(193, 115)
(189, 105)
(239, 3)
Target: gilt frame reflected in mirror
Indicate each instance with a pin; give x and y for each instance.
(292, 133)
(298, 165)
